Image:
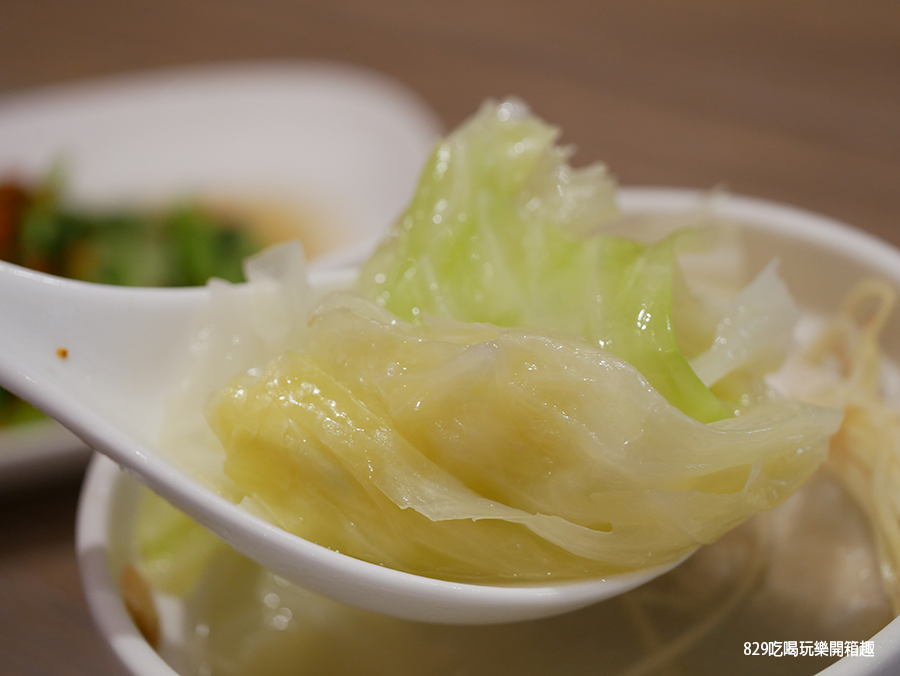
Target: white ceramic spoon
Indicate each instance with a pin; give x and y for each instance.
(102, 359)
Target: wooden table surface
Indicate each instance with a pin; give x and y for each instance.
(797, 101)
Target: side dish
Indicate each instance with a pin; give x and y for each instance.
(514, 391)
(177, 246)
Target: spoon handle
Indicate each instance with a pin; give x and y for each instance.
(69, 346)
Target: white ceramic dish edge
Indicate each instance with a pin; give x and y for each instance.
(65, 115)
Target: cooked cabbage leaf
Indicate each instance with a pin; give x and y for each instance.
(504, 396)
(468, 451)
(502, 230)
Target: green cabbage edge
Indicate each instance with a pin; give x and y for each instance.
(495, 233)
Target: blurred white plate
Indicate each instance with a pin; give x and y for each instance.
(338, 146)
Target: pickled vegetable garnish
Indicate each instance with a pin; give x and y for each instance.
(182, 246)
(509, 392)
(468, 451)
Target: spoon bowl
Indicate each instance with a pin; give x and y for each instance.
(102, 360)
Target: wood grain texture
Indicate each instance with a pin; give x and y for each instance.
(792, 100)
